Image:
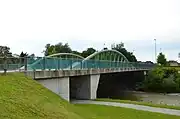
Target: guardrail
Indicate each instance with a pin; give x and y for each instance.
(49, 63)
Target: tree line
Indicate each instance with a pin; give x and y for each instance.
(161, 79)
(62, 48)
(65, 48)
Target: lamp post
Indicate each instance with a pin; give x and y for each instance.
(104, 47)
(155, 50)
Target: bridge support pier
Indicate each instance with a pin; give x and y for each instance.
(84, 87)
(59, 86)
(94, 85)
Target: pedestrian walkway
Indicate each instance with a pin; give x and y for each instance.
(132, 106)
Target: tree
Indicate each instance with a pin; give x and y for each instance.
(60, 48)
(5, 51)
(23, 54)
(160, 79)
(120, 47)
(76, 52)
(88, 52)
(57, 48)
(161, 59)
(49, 49)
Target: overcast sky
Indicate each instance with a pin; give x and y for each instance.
(28, 25)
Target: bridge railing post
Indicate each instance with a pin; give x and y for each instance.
(44, 63)
(71, 63)
(5, 64)
(58, 61)
(124, 65)
(127, 65)
(25, 64)
(120, 65)
(81, 64)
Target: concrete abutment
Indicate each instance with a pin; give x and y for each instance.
(78, 87)
(59, 86)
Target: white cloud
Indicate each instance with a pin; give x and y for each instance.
(29, 25)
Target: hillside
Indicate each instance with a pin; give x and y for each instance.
(22, 97)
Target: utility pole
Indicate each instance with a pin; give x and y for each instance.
(155, 50)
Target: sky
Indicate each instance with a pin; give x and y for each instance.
(28, 25)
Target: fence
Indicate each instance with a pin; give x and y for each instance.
(50, 63)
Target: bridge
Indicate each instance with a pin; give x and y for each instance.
(98, 60)
(71, 75)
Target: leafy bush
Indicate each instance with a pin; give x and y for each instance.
(161, 79)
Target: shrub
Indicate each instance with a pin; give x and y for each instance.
(160, 79)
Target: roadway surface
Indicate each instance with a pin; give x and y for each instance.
(132, 106)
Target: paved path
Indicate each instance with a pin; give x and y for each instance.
(132, 106)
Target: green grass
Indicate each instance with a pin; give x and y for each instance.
(139, 103)
(24, 98)
(172, 67)
(104, 112)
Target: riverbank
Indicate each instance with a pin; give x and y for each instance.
(172, 99)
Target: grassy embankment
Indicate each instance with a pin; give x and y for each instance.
(24, 98)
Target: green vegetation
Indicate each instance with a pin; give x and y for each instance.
(129, 55)
(161, 59)
(172, 67)
(60, 48)
(104, 112)
(139, 103)
(24, 98)
(165, 80)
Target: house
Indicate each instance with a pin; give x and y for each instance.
(149, 62)
(173, 63)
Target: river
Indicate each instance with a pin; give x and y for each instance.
(155, 98)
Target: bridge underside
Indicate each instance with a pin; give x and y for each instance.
(115, 85)
(111, 85)
(106, 85)
(84, 87)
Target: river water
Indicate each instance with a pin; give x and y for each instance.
(155, 98)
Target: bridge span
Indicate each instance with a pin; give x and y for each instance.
(70, 75)
(76, 84)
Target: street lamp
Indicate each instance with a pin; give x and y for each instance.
(155, 50)
(178, 56)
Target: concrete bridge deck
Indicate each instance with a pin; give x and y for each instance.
(48, 74)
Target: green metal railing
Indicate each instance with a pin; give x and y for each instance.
(50, 63)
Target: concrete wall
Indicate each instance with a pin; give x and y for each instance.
(79, 87)
(94, 85)
(59, 86)
(84, 87)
